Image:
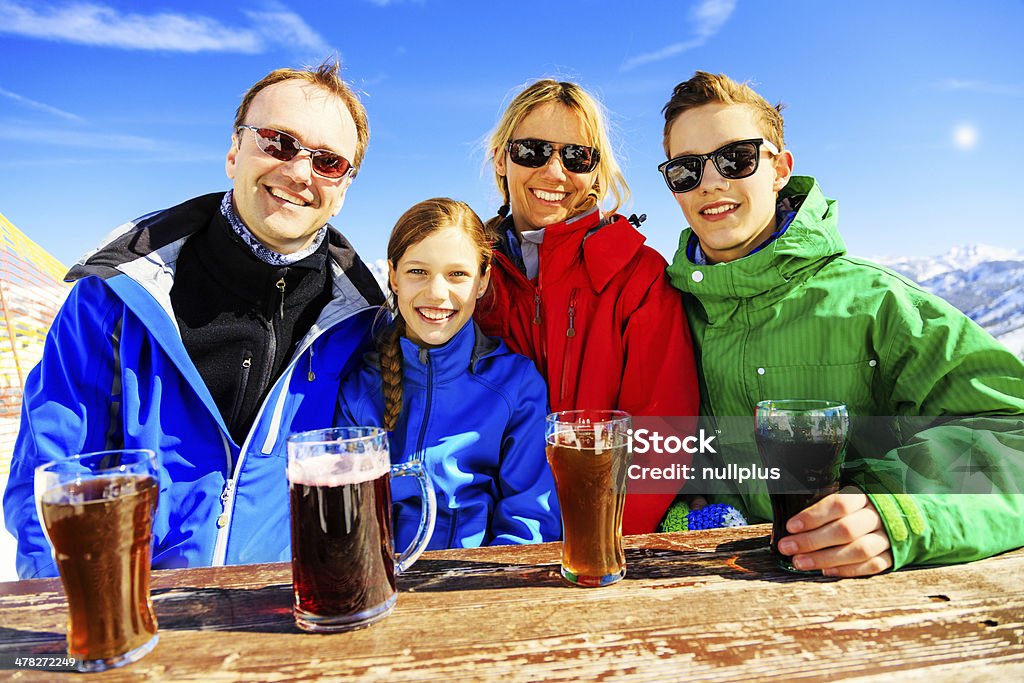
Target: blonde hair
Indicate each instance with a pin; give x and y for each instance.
(327, 75)
(416, 224)
(706, 88)
(608, 177)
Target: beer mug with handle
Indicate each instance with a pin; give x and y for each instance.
(343, 558)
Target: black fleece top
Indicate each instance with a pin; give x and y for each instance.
(240, 318)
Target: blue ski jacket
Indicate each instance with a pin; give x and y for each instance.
(115, 374)
(473, 413)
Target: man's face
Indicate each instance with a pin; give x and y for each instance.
(730, 217)
(284, 203)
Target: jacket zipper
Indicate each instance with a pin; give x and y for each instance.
(243, 383)
(281, 284)
(570, 332)
(425, 359)
(268, 367)
(453, 528)
(229, 488)
(226, 500)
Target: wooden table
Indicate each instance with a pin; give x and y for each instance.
(694, 606)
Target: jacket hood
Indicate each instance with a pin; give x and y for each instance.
(811, 241)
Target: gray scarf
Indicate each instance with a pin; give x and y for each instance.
(257, 248)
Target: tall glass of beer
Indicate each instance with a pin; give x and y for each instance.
(587, 451)
(806, 440)
(97, 510)
(343, 559)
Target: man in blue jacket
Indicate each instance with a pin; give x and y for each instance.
(210, 331)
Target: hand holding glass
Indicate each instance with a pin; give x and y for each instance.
(806, 440)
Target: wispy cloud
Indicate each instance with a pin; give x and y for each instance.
(981, 86)
(39, 106)
(90, 147)
(100, 25)
(287, 28)
(388, 3)
(708, 17)
(80, 139)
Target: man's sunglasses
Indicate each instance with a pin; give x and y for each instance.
(733, 161)
(536, 153)
(284, 147)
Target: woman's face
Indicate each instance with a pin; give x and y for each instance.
(550, 194)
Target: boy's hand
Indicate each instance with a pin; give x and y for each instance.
(842, 535)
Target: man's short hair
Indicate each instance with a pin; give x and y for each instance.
(705, 88)
(327, 76)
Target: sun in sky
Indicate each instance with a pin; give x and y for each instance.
(965, 136)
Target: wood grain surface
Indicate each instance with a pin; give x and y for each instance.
(697, 606)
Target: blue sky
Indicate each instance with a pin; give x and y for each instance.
(909, 112)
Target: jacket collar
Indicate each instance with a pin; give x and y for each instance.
(764, 277)
(605, 246)
(444, 363)
(147, 250)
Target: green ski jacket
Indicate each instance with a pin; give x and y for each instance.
(801, 319)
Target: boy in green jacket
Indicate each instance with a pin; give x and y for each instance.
(778, 310)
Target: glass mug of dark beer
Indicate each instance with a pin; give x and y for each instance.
(588, 454)
(97, 510)
(343, 559)
(806, 440)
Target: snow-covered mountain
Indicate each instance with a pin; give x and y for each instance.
(986, 283)
(379, 268)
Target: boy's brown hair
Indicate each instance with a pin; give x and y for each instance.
(706, 88)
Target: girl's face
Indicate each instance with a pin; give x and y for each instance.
(550, 194)
(436, 283)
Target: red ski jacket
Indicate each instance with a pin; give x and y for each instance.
(604, 327)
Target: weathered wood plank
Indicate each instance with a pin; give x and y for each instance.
(708, 605)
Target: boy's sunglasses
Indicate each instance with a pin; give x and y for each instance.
(284, 147)
(733, 161)
(536, 153)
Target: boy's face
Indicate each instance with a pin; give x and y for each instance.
(730, 217)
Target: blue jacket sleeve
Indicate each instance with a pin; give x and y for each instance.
(66, 409)
(527, 511)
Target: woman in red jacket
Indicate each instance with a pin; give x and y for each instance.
(575, 288)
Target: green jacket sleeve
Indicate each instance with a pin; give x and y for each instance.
(952, 492)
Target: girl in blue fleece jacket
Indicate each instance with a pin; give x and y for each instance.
(461, 402)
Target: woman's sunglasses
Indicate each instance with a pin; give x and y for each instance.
(733, 161)
(536, 153)
(284, 147)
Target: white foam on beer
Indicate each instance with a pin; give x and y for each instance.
(565, 438)
(331, 470)
(604, 436)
